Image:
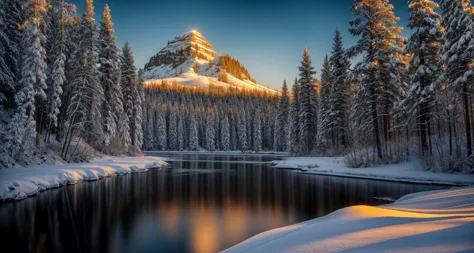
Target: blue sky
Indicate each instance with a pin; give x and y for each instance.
(268, 37)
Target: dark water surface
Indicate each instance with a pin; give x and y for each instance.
(203, 203)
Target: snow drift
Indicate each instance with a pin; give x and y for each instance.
(434, 221)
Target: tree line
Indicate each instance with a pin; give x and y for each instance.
(64, 83)
(180, 117)
(405, 96)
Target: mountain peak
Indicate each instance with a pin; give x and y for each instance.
(183, 47)
(189, 59)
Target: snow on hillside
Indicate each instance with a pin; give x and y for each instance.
(433, 221)
(190, 60)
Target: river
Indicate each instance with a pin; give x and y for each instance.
(202, 203)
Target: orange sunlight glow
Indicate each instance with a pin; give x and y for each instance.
(376, 235)
(235, 220)
(204, 231)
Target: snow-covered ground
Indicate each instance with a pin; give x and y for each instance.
(411, 172)
(434, 221)
(19, 183)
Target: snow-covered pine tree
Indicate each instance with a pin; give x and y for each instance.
(10, 45)
(108, 58)
(423, 45)
(324, 128)
(70, 25)
(458, 55)
(294, 122)
(379, 42)
(308, 114)
(22, 130)
(210, 131)
(339, 96)
(87, 94)
(137, 141)
(57, 75)
(148, 136)
(160, 130)
(242, 130)
(225, 133)
(257, 131)
(180, 131)
(173, 129)
(282, 121)
(217, 127)
(129, 92)
(193, 133)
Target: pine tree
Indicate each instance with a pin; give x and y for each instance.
(129, 93)
(294, 115)
(10, 44)
(282, 121)
(339, 96)
(173, 129)
(308, 106)
(257, 131)
(138, 93)
(225, 133)
(160, 131)
(108, 58)
(423, 45)
(325, 104)
(379, 42)
(57, 70)
(87, 94)
(242, 130)
(180, 131)
(149, 143)
(458, 55)
(193, 134)
(210, 132)
(33, 82)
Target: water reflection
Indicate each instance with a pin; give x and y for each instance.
(204, 203)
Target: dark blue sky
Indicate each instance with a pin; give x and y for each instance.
(268, 37)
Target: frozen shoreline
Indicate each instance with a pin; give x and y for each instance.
(404, 173)
(20, 183)
(432, 221)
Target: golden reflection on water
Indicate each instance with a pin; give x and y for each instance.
(235, 221)
(204, 230)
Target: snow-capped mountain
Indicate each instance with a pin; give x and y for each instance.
(190, 60)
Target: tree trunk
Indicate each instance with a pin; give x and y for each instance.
(423, 130)
(450, 133)
(375, 123)
(467, 122)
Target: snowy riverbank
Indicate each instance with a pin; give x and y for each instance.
(19, 183)
(433, 221)
(406, 172)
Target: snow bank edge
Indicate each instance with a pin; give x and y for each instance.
(20, 183)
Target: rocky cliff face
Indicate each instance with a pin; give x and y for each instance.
(189, 45)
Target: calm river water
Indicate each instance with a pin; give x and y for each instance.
(202, 203)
